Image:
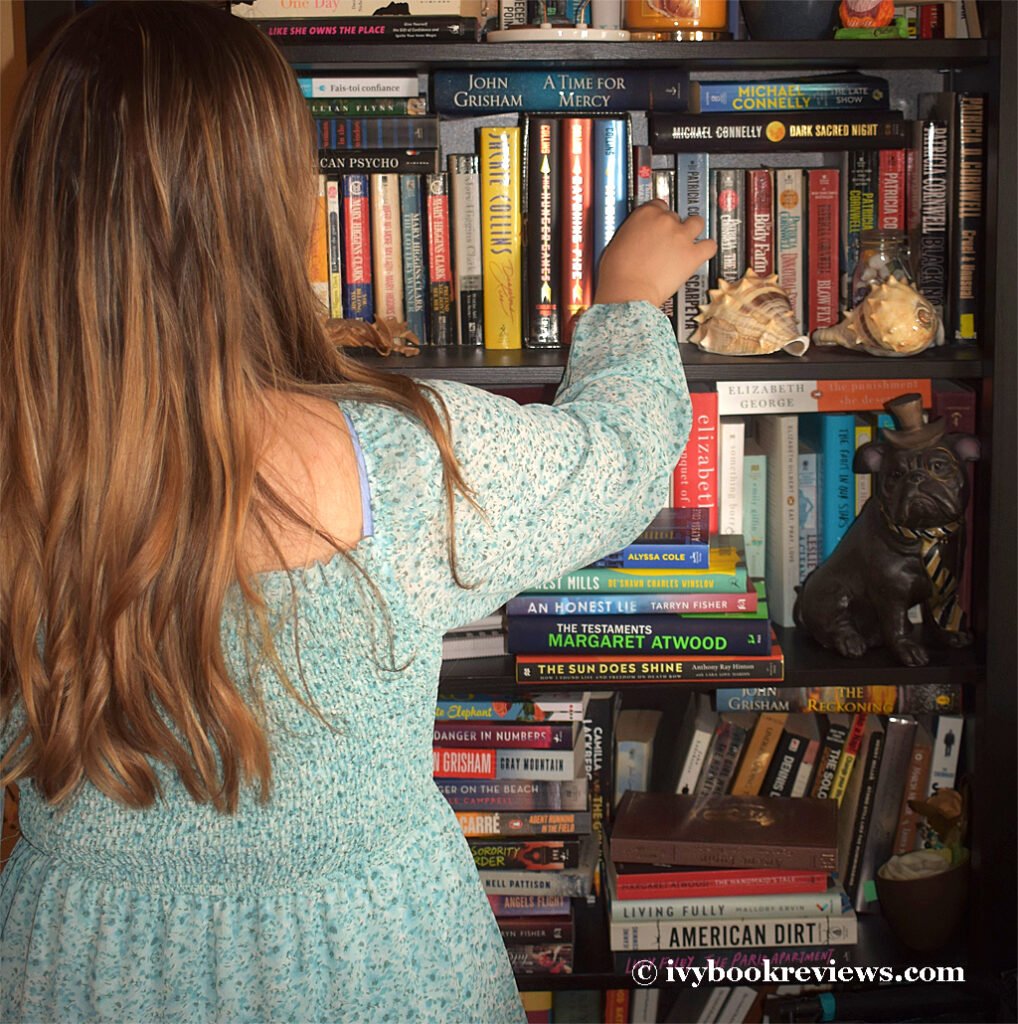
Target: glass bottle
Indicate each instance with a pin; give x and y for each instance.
(881, 255)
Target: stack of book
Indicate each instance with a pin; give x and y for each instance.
(483, 638)
(515, 775)
(732, 878)
(675, 605)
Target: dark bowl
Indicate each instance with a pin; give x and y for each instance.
(790, 19)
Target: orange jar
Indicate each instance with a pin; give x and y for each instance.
(669, 15)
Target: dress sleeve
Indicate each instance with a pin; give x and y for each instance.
(559, 486)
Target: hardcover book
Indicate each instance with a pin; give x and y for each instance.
(515, 796)
(934, 259)
(824, 201)
(437, 29)
(778, 435)
(760, 220)
(544, 225)
(790, 239)
(675, 538)
(378, 161)
(577, 222)
(692, 174)
(737, 398)
(635, 604)
(729, 213)
(745, 933)
(695, 480)
(464, 182)
(829, 92)
(610, 166)
(725, 831)
(921, 698)
(501, 237)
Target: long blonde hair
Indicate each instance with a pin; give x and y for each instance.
(157, 211)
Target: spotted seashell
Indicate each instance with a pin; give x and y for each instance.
(751, 317)
(892, 320)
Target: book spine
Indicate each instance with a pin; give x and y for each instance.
(557, 90)
(501, 237)
(441, 294)
(387, 246)
(415, 274)
(806, 771)
(407, 106)
(785, 764)
(790, 207)
(666, 963)
(747, 96)
(549, 765)
(599, 725)
(759, 754)
(594, 581)
(520, 931)
(837, 505)
(863, 481)
(638, 635)
(570, 882)
(696, 474)
(933, 273)
(786, 132)
(555, 736)
(360, 87)
(378, 132)
(526, 854)
(872, 700)
(371, 31)
(808, 500)
(728, 744)
(632, 766)
(514, 795)
(611, 181)
(692, 171)
(540, 960)
(641, 173)
(577, 226)
(512, 13)
(633, 604)
(748, 855)
(858, 211)
(740, 398)
(708, 884)
(827, 765)
(479, 823)
(464, 182)
(916, 784)
(529, 906)
(779, 437)
(754, 511)
(729, 209)
(824, 200)
(544, 223)
(657, 556)
(664, 187)
(689, 911)
(378, 161)
(871, 769)
(358, 291)
(696, 756)
(891, 190)
(564, 709)
(334, 206)
(946, 749)
(752, 932)
(846, 762)
(760, 221)
(318, 259)
(731, 448)
(968, 232)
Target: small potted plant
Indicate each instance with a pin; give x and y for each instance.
(922, 894)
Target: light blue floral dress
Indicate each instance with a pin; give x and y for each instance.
(352, 895)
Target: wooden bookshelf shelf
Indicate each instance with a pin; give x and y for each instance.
(806, 664)
(536, 366)
(833, 53)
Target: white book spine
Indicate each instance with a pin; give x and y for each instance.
(804, 775)
(632, 766)
(790, 204)
(695, 756)
(732, 447)
(779, 438)
(946, 746)
(468, 273)
(696, 911)
(754, 511)
(360, 86)
(512, 12)
(550, 765)
(387, 246)
(738, 933)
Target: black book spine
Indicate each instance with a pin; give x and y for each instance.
(968, 215)
(378, 161)
(932, 270)
(780, 775)
(850, 871)
(370, 30)
(544, 278)
(830, 751)
(730, 216)
(598, 726)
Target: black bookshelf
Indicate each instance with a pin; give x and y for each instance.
(901, 54)
(522, 367)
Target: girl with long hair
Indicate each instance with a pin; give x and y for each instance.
(230, 552)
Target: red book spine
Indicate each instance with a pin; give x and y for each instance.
(696, 475)
(577, 222)
(689, 885)
(891, 190)
(760, 229)
(616, 1006)
(453, 763)
(824, 203)
(931, 21)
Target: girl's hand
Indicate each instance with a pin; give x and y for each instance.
(651, 256)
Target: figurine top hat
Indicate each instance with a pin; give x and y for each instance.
(907, 411)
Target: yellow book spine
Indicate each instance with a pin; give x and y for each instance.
(757, 758)
(318, 258)
(841, 776)
(501, 237)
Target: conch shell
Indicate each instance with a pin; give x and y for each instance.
(892, 320)
(752, 317)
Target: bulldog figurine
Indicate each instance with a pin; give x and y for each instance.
(905, 547)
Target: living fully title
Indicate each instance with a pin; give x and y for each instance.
(575, 91)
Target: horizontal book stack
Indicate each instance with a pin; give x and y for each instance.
(515, 774)
(676, 605)
(692, 878)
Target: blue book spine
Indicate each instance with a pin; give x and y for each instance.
(631, 604)
(692, 172)
(759, 698)
(638, 634)
(658, 556)
(746, 96)
(611, 178)
(470, 93)
(415, 306)
(358, 293)
(837, 488)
